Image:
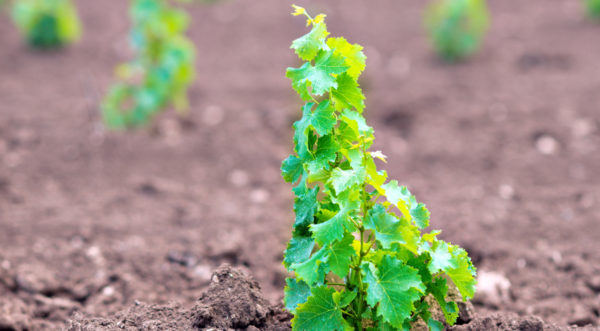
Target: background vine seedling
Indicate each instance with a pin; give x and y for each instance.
(593, 8)
(357, 252)
(162, 71)
(46, 23)
(456, 27)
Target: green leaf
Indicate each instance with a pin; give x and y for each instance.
(311, 43)
(407, 203)
(385, 326)
(411, 239)
(395, 287)
(318, 175)
(357, 123)
(322, 119)
(333, 228)
(295, 293)
(455, 262)
(291, 169)
(419, 213)
(335, 257)
(342, 180)
(305, 204)
(298, 249)
(320, 76)
(346, 135)
(301, 134)
(422, 307)
(463, 275)
(299, 82)
(395, 194)
(419, 262)
(388, 228)
(312, 270)
(347, 94)
(326, 152)
(344, 298)
(374, 177)
(320, 312)
(435, 325)
(430, 237)
(441, 258)
(339, 255)
(439, 290)
(352, 53)
(356, 158)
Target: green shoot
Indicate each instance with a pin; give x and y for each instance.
(47, 23)
(160, 74)
(593, 8)
(357, 252)
(456, 27)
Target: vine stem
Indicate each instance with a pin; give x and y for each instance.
(370, 246)
(336, 284)
(362, 253)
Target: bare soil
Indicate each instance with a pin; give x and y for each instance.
(503, 148)
(233, 301)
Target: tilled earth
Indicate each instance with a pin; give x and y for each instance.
(503, 148)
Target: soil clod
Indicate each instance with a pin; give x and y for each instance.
(233, 301)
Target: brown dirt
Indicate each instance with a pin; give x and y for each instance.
(502, 148)
(233, 300)
(506, 322)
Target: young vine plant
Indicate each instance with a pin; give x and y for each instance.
(357, 252)
(160, 74)
(593, 8)
(47, 23)
(456, 27)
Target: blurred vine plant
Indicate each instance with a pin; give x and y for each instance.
(357, 252)
(593, 8)
(456, 27)
(46, 23)
(160, 74)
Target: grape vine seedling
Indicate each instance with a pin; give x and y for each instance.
(47, 23)
(593, 8)
(357, 252)
(162, 71)
(456, 27)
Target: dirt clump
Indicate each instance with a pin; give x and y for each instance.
(233, 301)
(13, 314)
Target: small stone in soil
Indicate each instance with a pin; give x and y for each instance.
(108, 291)
(594, 283)
(583, 127)
(492, 288)
(212, 115)
(582, 316)
(203, 272)
(239, 178)
(506, 191)
(186, 259)
(259, 196)
(546, 144)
